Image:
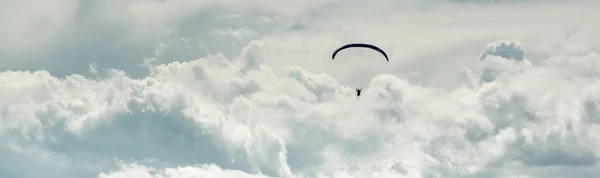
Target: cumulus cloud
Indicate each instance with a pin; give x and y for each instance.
(271, 103)
(500, 51)
(508, 49)
(286, 121)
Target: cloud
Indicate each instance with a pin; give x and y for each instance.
(253, 93)
(508, 49)
(287, 121)
(117, 34)
(135, 170)
(505, 50)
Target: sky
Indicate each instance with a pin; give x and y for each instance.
(234, 88)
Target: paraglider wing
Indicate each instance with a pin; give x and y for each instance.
(363, 45)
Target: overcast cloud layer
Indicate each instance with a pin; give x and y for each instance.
(232, 88)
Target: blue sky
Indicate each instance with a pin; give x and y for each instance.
(234, 88)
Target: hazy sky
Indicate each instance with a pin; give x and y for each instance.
(233, 88)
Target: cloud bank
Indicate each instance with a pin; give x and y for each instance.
(205, 89)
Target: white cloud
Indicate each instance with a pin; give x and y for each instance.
(267, 101)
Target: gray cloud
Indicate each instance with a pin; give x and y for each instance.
(508, 49)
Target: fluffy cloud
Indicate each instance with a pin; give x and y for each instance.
(244, 115)
(508, 49)
(270, 103)
(501, 51)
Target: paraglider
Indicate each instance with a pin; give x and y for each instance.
(360, 45)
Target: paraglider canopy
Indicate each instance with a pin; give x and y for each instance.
(361, 45)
